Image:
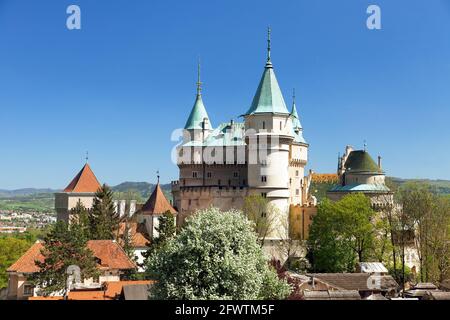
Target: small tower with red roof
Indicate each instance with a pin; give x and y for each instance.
(82, 188)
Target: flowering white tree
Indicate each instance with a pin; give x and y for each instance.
(215, 256)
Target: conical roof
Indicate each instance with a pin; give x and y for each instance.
(157, 203)
(297, 129)
(84, 181)
(268, 97)
(198, 114)
(361, 161)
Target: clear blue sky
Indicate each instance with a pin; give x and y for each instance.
(123, 83)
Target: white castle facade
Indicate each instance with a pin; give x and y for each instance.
(266, 154)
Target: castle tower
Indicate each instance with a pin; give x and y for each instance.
(198, 125)
(269, 134)
(82, 188)
(298, 157)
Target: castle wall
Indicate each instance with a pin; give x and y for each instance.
(64, 202)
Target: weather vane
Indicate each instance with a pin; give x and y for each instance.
(157, 174)
(87, 156)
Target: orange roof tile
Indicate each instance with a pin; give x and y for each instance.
(84, 181)
(112, 291)
(325, 177)
(139, 235)
(157, 203)
(110, 254)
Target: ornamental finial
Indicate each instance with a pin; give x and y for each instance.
(199, 83)
(268, 43)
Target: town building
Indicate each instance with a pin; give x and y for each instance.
(81, 189)
(266, 154)
(112, 262)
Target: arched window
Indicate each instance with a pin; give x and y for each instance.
(264, 125)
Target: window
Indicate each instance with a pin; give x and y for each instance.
(263, 214)
(296, 173)
(281, 125)
(28, 290)
(236, 174)
(297, 192)
(190, 202)
(263, 178)
(264, 195)
(209, 174)
(194, 174)
(264, 125)
(219, 182)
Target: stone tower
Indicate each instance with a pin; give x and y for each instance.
(269, 134)
(82, 188)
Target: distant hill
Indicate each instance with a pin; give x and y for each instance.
(24, 192)
(144, 188)
(43, 199)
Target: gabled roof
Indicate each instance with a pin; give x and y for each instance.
(138, 233)
(157, 203)
(108, 252)
(358, 281)
(84, 181)
(198, 114)
(268, 97)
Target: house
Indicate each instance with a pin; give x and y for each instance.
(110, 290)
(136, 291)
(331, 295)
(365, 283)
(112, 262)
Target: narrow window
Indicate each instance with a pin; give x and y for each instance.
(194, 174)
(209, 174)
(281, 125)
(236, 174)
(264, 125)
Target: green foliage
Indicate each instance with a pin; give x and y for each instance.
(64, 246)
(11, 249)
(258, 210)
(215, 256)
(103, 219)
(342, 232)
(166, 231)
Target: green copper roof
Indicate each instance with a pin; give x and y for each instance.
(226, 134)
(360, 160)
(360, 188)
(297, 130)
(268, 97)
(197, 115)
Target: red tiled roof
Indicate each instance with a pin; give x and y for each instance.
(157, 203)
(110, 254)
(113, 290)
(139, 235)
(84, 181)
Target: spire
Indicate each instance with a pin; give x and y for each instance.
(268, 97)
(199, 83)
(269, 31)
(296, 125)
(198, 113)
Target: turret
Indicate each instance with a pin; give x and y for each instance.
(197, 126)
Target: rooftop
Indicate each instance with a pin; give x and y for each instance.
(109, 253)
(157, 203)
(361, 161)
(84, 182)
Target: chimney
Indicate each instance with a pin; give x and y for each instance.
(379, 162)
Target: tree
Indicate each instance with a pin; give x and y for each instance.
(342, 231)
(11, 249)
(80, 217)
(215, 256)
(417, 201)
(262, 213)
(166, 230)
(104, 220)
(64, 246)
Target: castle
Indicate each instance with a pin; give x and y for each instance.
(266, 155)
